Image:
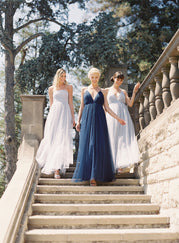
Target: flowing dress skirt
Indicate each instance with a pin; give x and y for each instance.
(94, 159)
(56, 148)
(124, 145)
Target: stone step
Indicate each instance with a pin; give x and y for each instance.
(70, 175)
(95, 209)
(70, 169)
(89, 189)
(73, 165)
(117, 182)
(91, 198)
(97, 222)
(101, 235)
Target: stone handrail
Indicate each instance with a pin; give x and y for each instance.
(15, 202)
(160, 88)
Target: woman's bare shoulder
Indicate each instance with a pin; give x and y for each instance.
(124, 91)
(107, 89)
(69, 86)
(50, 89)
(84, 89)
(104, 90)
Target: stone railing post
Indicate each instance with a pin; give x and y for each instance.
(146, 107)
(152, 108)
(174, 77)
(141, 113)
(166, 95)
(33, 115)
(158, 94)
(136, 117)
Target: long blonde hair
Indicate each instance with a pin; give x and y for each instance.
(58, 74)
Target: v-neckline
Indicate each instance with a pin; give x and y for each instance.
(95, 95)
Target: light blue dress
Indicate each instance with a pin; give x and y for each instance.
(124, 145)
(56, 148)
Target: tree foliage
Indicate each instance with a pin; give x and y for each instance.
(144, 27)
(86, 44)
(15, 15)
(98, 42)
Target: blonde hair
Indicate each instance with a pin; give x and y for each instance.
(92, 71)
(58, 74)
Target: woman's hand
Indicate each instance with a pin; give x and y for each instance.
(136, 87)
(122, 122)
(74, 123)
(78, 126)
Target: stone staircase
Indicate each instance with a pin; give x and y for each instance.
(118, 211)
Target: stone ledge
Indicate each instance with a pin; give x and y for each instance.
(13, 201)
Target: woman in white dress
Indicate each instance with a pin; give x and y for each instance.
(55, 152)
(123, 142)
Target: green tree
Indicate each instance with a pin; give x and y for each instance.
(56, 51)
(98, 43)
(83, 45)
(30, 12)
(145, 27)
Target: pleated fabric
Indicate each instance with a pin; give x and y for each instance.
(94, 160)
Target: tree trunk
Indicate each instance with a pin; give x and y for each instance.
(10, 139)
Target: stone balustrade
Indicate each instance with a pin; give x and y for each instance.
(160, 88)
(16, 200)
(156, 113)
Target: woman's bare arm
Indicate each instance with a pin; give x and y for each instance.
(70, 101)
(50, 92)
(80, 110)
(130, 101)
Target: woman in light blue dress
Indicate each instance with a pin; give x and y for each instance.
(55, 152)
(123, 142)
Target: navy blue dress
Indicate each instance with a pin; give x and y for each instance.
(94, 160)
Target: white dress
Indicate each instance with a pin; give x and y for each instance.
(123, 142)
(56, 148)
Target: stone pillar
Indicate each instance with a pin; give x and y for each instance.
(166, 95)
(141, 113)
(136, 117)
(158, 94)
(174, 77)
(146, 107)
(152, 108)
(33, 115)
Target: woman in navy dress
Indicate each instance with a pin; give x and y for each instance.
(94, 160)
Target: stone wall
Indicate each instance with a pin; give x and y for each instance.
(159, 167)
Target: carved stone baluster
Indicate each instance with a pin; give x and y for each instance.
(141, 113)
(152, 108)
(136, 117)
(166, 95)
(174, 77)
(146, 107)
(158, 94)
